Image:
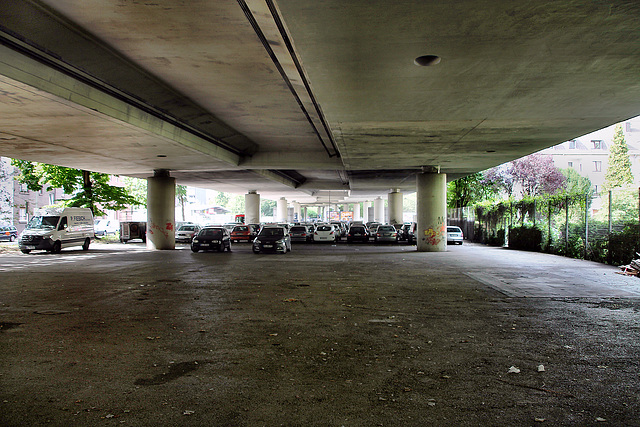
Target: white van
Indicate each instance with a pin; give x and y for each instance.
(54, 229)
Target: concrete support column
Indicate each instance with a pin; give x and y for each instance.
(395, 207)
(305, 217)
(431, 234)
(297, 212)
(357, 215)
(282, 210)
(161, 210)
(252, 207)
(365, 211)
(378, 210)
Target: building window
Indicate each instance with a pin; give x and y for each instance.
(52, 199)
(569, 164)
(572, 144)
(580, 167)
(597, 166)
(24, 189)
(597, 144)
(23, 215)
(595, 191)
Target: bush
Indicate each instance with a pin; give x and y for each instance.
(525, 239)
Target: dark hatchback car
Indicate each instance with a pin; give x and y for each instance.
(8, 232)
(357, 233)
(272, 239)
(211, 239)
(301, 233)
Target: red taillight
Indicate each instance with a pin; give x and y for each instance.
(316, 233)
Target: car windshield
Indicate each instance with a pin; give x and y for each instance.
(272, 232)
(386, 228)
(187, 228)
(299, 229)
(215, 233)
(43, 222)
(453, 230)
(357, 229)
(324, 228)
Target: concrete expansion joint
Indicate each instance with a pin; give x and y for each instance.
(430, 169)
(161, 173)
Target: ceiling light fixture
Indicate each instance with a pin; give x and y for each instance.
(161, 155)
(427, 60)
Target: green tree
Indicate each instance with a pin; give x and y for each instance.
(87, 189)
(137, 188)
(468, 190)
(619, 165)
(267, 207)
(181, 196)
(575, 183)
(222, 199)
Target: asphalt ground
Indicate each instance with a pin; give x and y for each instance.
(327, 335)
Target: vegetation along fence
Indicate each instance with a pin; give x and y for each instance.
(604, 228)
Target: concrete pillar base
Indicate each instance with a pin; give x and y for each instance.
(161, 196)
(431, 234)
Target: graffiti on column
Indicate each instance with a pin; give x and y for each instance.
(434, 235)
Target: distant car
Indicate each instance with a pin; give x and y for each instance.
(211, 238)
(409, 232)
(358, 233)
(325, 233)
(8, 232)
(272, 239)
(301, 233)
(243, 232)
(341, 229)
(186, 232)
(386, 233)
(106, 226)
(454, 235)
(373, 227)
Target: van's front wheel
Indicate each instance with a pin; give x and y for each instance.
(57, 247)
(85, 246)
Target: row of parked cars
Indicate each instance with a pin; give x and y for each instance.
(278, 237)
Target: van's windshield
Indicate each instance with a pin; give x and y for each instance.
(43, 222)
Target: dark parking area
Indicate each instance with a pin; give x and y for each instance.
(327, 334)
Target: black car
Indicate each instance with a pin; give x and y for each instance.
(409, 232)
(357, 233)
(272, 239)
(8, 232)
(211, 238)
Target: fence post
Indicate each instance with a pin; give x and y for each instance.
(549, 243)
(586, 225)
(609, 256)
(566, 226)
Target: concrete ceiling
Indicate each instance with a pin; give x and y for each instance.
(311, 100)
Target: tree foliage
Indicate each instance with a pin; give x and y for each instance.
(619, 164)
(467, 191)
(532, 175)
(87, 189)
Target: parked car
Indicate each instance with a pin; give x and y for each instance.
(301, 233)
(130, 230)
(341, 229)
(358, 233)
(8, 232)
(186, 232)
(373, 227)
(325, 233)
(106, 226)
(243, 232)
(409, 232)
(272, 239)
(386, 233)
(211, 238)
(454, 235)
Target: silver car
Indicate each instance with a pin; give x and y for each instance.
(454, 235)
(386, 233)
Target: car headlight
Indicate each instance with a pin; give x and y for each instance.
(256, 242)
(196, 241)
(280, 242)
